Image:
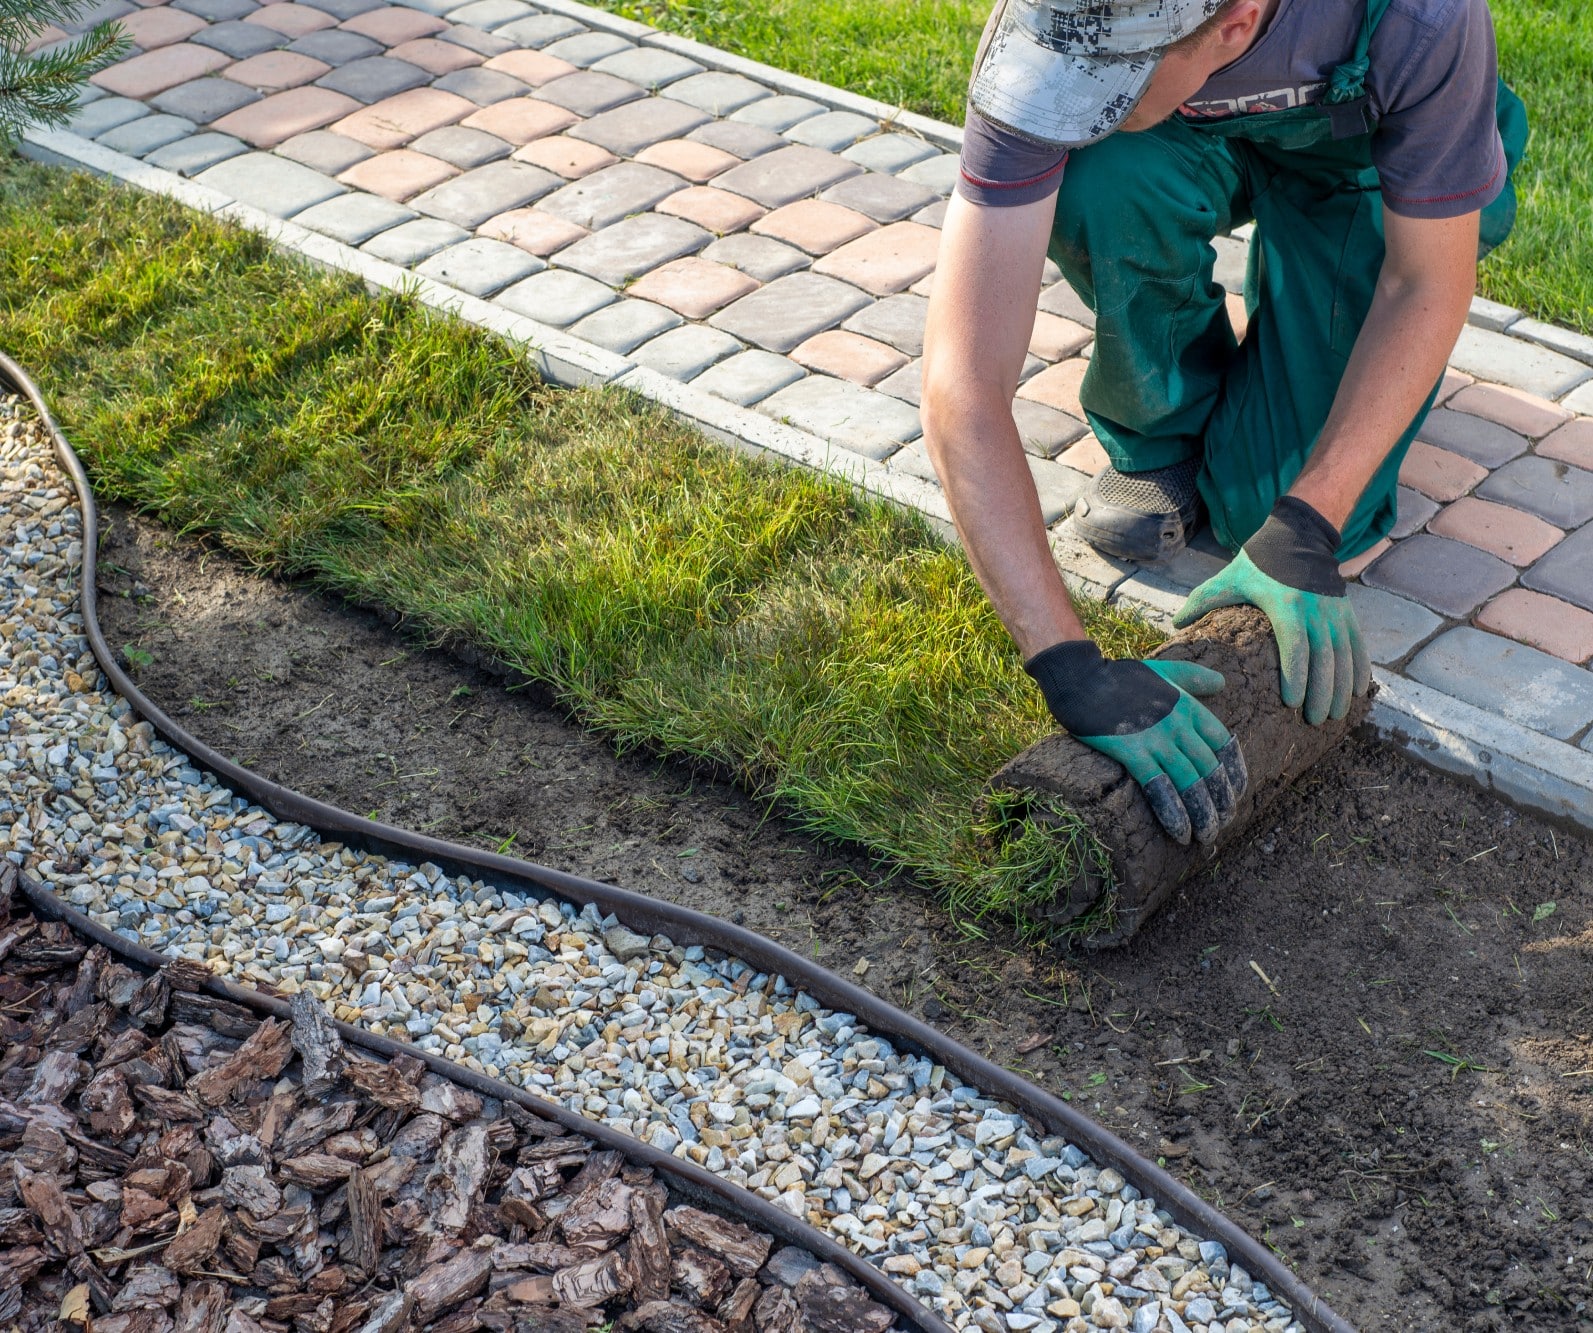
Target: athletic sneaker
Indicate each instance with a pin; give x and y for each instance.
(1140, 515)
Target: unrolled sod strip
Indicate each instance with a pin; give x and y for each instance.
(948, 1190)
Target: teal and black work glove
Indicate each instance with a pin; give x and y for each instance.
(1290, 570)
(1144, 715)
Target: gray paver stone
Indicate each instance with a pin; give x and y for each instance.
(906, 383)
(1476, 438)
(270, 183)
(461, 147)
(890, 152)
(939, 173)
(1506, 359)
(333, 45)
(1531, 688)
(240, 40)
(1564, 571)
(436, 8)
(1045, 432)
(326, 152)
(743, 141)
(105, 115)
(587, 48)
(1061, 299)
(409, 243)
(1580, 400)
(1568, 341)
(684, 353)
(833, 131)
(354, 218)
(1448, 576)
(343, 10)
(374, 78)
(490, 14)
(1189, 568)
(934, 215)
(556, 297)
(1556, 492)
(204, 100)
(757, 256)
(632, 247)
(1232, 256)
(786, 175)
(1414, 509)
(188, 157)
(897, 321)
(484, 43)
(789, 310)
(481, 86)
(858, 419)
(718, 93)
(779, 113)
(647, 67)
(749, 377)
(538, 30)
(626, 324)
(1391, 625)
(146, 134)
(1058, 487)
(104, 11)
(606, 196)
(217, 11)
(913, 460)
(881, 197)
(480, 267)
(628, 129)
(1486, 314)
(588, 93)
(475, 196)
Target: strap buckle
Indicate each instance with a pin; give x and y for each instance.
(1351, 119)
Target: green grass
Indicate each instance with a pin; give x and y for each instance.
(917, 54)
(825, 650)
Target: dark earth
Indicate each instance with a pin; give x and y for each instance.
(1400, 1106)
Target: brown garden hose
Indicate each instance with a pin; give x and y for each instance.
(1043, 1109)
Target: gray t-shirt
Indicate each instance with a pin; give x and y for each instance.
(1431, 82)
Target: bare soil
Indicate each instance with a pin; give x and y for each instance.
(1365, 1033)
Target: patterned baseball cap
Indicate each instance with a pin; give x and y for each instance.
(1065, 73)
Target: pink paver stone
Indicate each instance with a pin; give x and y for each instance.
(398, 175)
(520, 119)
(1541, 621)
(815, 226)
(268, 122)
(1453, 382)
(436, 57)
(1352, 568)
(155, 71)
(44, 37)
(152, 28)
(394, 121)
(693, 287)
(1086, 456)
(570, 158)
(1055, 338)
(848, 355)
(291, 20)
(535, 232)
(1057, 386)
(1572, 443)
(717, 211)
(272, 71)
(531, 67)
(1439, 474)
(393, 25)
(697, 162)
(1515, 409)
(1510, 534)
(885, 261)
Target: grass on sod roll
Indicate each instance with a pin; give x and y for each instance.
(917, 54)
(825, 650)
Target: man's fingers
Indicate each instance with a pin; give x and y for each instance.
(1294, 660)
(1360, 654)
(1213, 593)
(1232, 759)
(1168, 807)
(1223, 795)
(1343, 669)
(1190, 677)
(1319, 684)
(1202, 811)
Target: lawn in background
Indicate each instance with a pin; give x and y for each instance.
(916, 54)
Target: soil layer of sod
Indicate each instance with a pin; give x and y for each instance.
(1365, 1034)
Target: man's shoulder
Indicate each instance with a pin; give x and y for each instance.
(1429, 15)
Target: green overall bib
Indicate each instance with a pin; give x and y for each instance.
(1167, 380)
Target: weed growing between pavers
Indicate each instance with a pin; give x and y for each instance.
(825, 650)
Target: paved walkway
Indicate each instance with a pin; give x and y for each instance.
(694, 219)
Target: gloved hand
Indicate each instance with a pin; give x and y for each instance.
(1143, 715)
(1290, 570)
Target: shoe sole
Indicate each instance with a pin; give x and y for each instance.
(1127, 534)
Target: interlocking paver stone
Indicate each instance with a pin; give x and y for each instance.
(1448, 576)
(354, 218)
(399, 175)
(188, 157)
(564, 156)
(218, 11)
(697, 162)
(1525, 413)
(939, 173)
(535, 232)
(482, 86)
(539, 29)
(470, 199)
(1055, 338)
(1564, 571)
(106, 114)
(779, 112)
(1572, 443)
(488, 45)
(291, 20)
(155, 71)
(344, 9)
(556, 297)
(588, 93)
(1556, 492)
(686, 352)
(393, 25)
(331, 154)
(240, 40)
(1351, 568)
(1391, 626)
(1439, 474)
(906, 384)
(435, 56)
(868, 423)
(832, 131)
(626, 250)
(883, 198)
(717, 211)
(204, 101)
(283, 115)
(161, 26)
(786, 175)
(1510, 534)
(1568, 341)
(718, 93)
(884, 261)
(411, 242)
(848, 355)
(1472, 437)
(1057, 386)
(814, 225)
(532, 68)
(272, 71)
(897, 320)
(1494, 315)
(377, 78)
(890, 152)
(587, 48)
(1044, 431)
(647, 67)
(1085, 455)
(1061, 299)
(749, 377)
(491, 14)
(270, 183)
(756, 256)
(790, 310)
(1542, 621)
(520, 120)
(625, 325)
(1531, 688)
(1057, 486)
(393, 122)
(334, 45)
(606, 196)
(1510, 360)
(100, 11)
(743, 141)
(1413, 511)
(1578, 400)
(147, 134)
(628, 129)
(461, 147)
(480, 266)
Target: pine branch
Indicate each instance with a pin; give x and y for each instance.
(43, 90)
